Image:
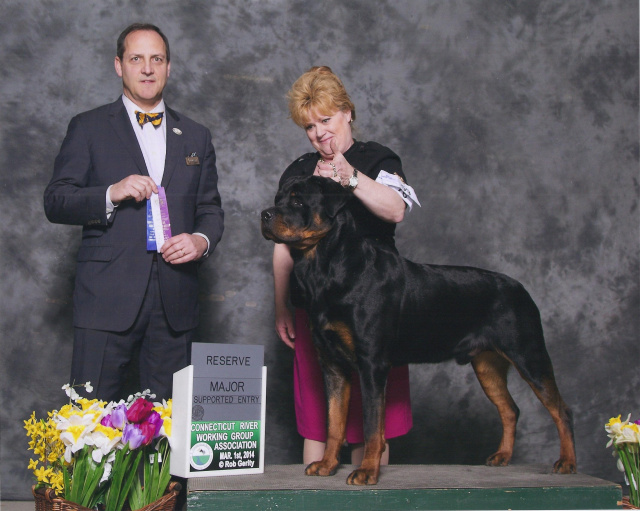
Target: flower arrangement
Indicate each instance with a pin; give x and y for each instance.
(624, 436)
(89, 451)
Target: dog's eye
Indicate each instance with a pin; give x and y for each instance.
(296, 202)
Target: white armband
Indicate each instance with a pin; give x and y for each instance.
(395, 182)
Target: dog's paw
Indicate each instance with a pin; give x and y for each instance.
(362, 477)
(499, 459)
(321, 468)
(563, 466)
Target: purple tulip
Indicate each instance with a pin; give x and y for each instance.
(119, 416)
(106, 421)
(156, 419)
(133, 436)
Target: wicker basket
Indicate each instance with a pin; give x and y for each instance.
(626, 504)
(165, 503)
(46, 500)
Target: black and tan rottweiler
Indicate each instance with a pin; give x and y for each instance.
(371, 309)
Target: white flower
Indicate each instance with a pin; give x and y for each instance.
(75, 433)
(145, 393)
(104, 444)
(88, 387)
(106, 473)
(71, 392)
(629, 433)
(620, 465)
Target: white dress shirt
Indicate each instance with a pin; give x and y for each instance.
(153, 144)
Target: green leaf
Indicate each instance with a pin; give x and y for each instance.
(78, 476)
(165, 475)
(93, 480)
(136, 496)
(117, 473)
(67, 482)
(155, 476)
(133, 473)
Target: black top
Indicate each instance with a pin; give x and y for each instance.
(368, 158)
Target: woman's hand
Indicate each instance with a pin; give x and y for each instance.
(381, 200)
(284, 326)
(337, 168)
(282, 266)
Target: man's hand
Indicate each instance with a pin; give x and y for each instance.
(183, 248)
(136, 187)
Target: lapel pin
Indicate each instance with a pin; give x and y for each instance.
(177, 131)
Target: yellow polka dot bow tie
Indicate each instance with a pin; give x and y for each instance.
(155, 119)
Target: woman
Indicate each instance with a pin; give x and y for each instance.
(319, 103)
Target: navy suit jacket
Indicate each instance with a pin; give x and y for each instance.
(113, 264)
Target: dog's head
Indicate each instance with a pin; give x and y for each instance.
(305, 211)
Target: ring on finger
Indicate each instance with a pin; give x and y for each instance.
(335, 171)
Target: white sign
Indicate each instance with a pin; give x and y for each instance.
(219, 405)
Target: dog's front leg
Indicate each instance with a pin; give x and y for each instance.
(373, 384)
(338, 389)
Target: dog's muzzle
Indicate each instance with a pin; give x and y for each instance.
(267, 217)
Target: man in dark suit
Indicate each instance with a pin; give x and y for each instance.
(129, 298)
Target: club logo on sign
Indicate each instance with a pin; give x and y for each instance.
(201, 456)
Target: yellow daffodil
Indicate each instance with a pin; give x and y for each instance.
(166, 426)
(613, 421)
(165, 410)
(74, 433)
(66, 411)
(614, 429)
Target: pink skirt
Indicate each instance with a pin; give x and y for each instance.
(310, 401)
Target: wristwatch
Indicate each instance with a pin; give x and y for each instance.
(353, 180)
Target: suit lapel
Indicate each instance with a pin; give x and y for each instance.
(174, 145)
(120, 122)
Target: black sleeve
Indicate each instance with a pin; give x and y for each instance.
(370, 158)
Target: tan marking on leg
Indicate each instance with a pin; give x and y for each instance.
(344, 333)
(491, 370)
(338, 409)
(563, 419)
(369, 470)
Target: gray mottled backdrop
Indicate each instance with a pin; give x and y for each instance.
(517, 122)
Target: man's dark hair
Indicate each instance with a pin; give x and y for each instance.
(136, 27)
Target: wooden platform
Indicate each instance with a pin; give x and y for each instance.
(405, 487)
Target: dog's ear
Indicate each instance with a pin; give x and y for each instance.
(335, 197)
